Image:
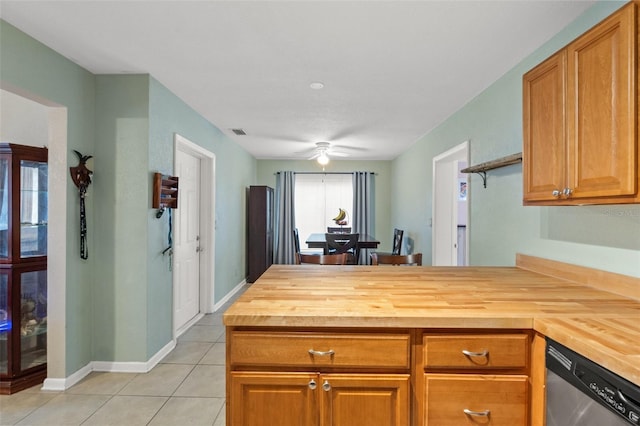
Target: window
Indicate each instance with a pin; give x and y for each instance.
(318, 198)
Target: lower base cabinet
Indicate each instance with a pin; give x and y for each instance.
(310, 399)
(375, 377)
(473, 399)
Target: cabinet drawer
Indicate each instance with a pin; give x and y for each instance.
(476, 351)
(454, 400)
(319, 349)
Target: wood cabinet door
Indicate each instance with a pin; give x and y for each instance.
(472, 399)
(544, 154)
(365, 400)
(273, 399)
(601, 108)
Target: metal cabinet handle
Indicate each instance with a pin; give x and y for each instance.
(484, 352)
(330, 352)
(326, 386)
(484, 413)
(567, 192)
(312, 384)
(555, 193)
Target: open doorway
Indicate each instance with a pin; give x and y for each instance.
(30, 120)
(194, 239)
(450, 208)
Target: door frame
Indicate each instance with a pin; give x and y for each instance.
(207, 222)
(451, 156)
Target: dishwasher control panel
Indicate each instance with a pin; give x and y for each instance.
(607, 388)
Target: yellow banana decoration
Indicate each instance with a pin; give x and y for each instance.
(340, 219)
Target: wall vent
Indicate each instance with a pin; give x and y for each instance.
(239, 132)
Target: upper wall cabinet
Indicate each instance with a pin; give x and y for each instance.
(581, 118)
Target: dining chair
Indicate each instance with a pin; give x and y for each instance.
(296, 242)
(396, 259)
(343, 243)
(322, 259)
(397, 244)
(397, 241)
(338, 230)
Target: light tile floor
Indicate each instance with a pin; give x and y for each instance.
(186, 388)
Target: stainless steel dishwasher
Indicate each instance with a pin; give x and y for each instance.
(581, 392)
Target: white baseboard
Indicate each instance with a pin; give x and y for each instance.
(187, 326)
(51, 384)
(134, 367)
(229, 295)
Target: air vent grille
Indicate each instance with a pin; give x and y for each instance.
(239, 132)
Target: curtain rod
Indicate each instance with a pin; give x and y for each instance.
(325, 173)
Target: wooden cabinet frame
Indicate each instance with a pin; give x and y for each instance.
(23, 266)
(260, 223)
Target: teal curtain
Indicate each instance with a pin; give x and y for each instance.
(363, 215)
(284, 244)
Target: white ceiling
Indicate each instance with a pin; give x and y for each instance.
(392, 70)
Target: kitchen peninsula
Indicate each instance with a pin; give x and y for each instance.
(321, 345)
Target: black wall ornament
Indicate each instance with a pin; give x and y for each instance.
(81, 177)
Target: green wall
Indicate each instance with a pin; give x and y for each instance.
(122, 200)
(382, 182)
(137, 118)
(29, 67)
(119, 301)
(603, 237)
(234, 169)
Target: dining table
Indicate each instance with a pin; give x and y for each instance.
(365, 241)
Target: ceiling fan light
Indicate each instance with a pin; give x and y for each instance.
(323, 159)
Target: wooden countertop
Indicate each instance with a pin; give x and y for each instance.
(445, 297)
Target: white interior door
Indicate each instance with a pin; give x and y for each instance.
(187, 241)
(445, 205)
(445, 217)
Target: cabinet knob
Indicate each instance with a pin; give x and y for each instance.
(484, 413)
(326, 386)
(567, 192)
(555, 193)
(312, 384)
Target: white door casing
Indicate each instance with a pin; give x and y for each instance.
(194, 234)
(445, 209)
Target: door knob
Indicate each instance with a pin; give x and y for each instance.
(326, 386)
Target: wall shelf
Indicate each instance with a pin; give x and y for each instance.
(165, 191)
(482, 168)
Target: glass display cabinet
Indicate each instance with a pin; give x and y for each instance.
(23, 266)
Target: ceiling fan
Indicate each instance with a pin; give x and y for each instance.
(322, 152)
